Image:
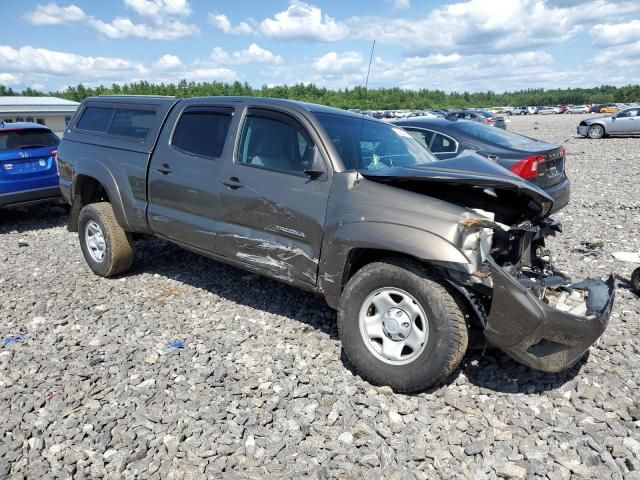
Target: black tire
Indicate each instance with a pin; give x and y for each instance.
(635, 280)
(595, 132)
(118, 246)
(447, 338)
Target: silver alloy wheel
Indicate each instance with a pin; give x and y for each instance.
(595, 131)
(95, 241)
(393, 326)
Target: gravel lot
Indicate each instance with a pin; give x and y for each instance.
(260, 389)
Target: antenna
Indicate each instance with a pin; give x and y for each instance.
(366, 83)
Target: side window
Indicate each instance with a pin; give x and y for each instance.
(442, 144)
(95, 119)
(630, 113)
(202, 132)
(423, 136)
(132, 122)
(275, 145)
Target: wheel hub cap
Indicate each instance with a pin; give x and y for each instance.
(393, 325)
(396, 324)
(95, 241)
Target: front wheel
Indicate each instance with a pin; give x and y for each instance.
(107, 248)
(595, 132)
(400, 326)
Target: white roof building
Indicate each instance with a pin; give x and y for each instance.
(50, 111)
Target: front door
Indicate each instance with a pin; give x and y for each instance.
(627, 121)
(185, 175)
(272, 212)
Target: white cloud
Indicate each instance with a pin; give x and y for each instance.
(159, 8)
(616, 34)
(168, 62)
(334, 62)
(53, 14)
(223, 23)
(30, 60)
(162, 24)
(10, 78)
(210, 74)
(433, 60)
(302, 21)
(253, 54)
(401, 4)
(478, 26)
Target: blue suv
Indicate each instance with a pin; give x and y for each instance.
(27, 164)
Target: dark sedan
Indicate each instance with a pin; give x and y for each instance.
(481, 116)
(539, 162)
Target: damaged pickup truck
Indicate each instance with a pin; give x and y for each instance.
(411, 251)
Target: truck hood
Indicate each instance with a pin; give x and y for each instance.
(472, 181)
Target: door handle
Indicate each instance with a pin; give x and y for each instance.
(164, 169)
(232, 183)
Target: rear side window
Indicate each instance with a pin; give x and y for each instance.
(202, 132)
(442, 144)
(423, 136)
(26, 139)
(132, 122)
(95, 119)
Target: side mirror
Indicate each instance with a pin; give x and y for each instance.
(317, 168)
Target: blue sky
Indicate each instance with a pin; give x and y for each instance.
(472, 45)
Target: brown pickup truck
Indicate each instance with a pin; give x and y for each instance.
(411, 251)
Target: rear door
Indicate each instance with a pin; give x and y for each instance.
(185, 173)
(27, 159)
(271, 212)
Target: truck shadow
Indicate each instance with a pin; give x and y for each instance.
(492, 370)
(236, 285)
(37, 217)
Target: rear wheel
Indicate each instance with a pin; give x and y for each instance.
(595, 131)
(107, 248)
(400, 326)
(635, 280)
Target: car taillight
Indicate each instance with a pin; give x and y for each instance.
(528, 166)
(54, 152)
(490, 120)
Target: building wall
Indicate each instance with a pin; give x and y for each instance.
(56, 122)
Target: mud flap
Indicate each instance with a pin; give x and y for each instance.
(536, 333)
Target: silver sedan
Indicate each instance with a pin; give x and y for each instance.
(625, 122)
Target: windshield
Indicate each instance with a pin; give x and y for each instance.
(27, 138)
(498, 136)
(369, 145)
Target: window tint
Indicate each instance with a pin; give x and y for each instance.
(95, 119)
(201, 132)
(27, 138)
(442, 144)
(423, 136)
(275, 145)
(132, 122)
(633, 112)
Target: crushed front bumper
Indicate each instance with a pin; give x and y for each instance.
(536, 333)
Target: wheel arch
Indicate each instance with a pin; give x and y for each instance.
(355, 245)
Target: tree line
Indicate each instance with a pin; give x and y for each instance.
(358, 97)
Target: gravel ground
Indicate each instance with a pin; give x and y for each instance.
(260, 390)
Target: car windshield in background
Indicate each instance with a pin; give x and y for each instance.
(27, 138)
(490, 134)
(369, 145)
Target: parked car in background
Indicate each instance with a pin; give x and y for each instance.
(537, 161)
(625, 122)
(407, 248)
(520, 111)
(27, 164)
(578, 109)
(610, 108)
(481, 116)
(548, 110)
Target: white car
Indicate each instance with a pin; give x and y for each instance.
(579, 109)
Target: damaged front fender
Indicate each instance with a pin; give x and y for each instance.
(552, 330)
